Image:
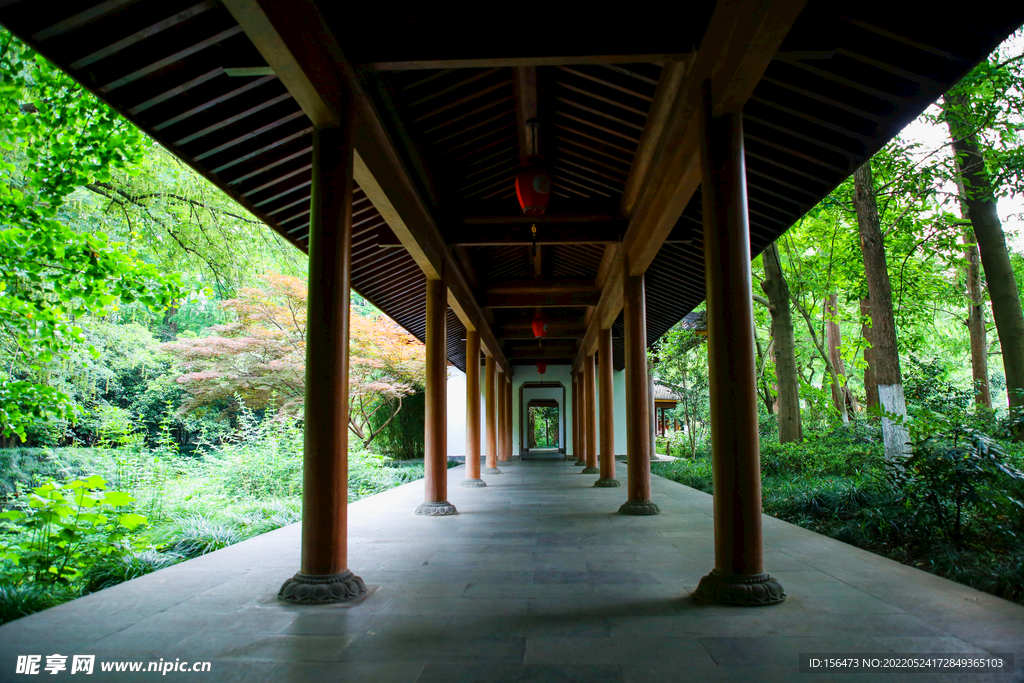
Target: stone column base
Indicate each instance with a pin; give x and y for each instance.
(472, 484)
(321, 589)
(590, 470)
(639, 508)
(607, 483)
(492, 470)
(437, 509)
(748, 590)
(580, 463)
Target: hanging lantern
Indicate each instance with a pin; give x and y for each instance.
(540, 326)
(533, 188)
(542, 368)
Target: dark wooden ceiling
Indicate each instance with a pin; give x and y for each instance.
(452, 90)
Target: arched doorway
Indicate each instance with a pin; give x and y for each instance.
(542, 420)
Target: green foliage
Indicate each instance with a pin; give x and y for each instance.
(116, 568)
(844, 452)
(52, 274)
(262, 459)
(62, 525)
(370, 473)
(20, 600)
(957, 477)
(402, 437)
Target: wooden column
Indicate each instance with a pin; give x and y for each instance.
(607, 428)
(738, 577)
(573, 416)
(435, 446)
(654, 416)
(491, 406)
(472, 479)
(581, 421)
(509, 400)
(323, 574)
(502, 414)
(638, 432)
(590, 389)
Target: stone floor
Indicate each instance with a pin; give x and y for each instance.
(536, 580)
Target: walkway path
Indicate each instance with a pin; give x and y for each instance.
(536, 580)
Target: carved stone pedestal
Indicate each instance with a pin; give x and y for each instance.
(639, 508)
(607, 483)
(310, 589)
(472, 483)
(580, 463)
(590, 470)
(492, 470)
(436, 509)
(748, 590)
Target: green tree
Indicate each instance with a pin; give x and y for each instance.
(57, 138)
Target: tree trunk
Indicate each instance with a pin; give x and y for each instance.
(979, 199)
(764, 387)
(775, 364)
(777, 291)
(884, 352)
(842, 396)
(870, 385)
(169, 329)
(976, 323)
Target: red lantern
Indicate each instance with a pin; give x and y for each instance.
(540, 326)
(542, 368)
(533, 188)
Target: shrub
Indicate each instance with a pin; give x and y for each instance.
(695, 473)
(957, 477)
(64, 527)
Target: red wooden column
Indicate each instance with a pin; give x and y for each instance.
(509, 400)
(491, 406)
(581, 421)
(738, 577)
(435, 447)
(590, 389)
(604, 381)
(575, 418)
(323, 574)
(502, 414)
(638, 433)
(472, 479)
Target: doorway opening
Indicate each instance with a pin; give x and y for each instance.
(542, 421)
(542, 425)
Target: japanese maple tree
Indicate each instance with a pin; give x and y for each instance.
(260, 358)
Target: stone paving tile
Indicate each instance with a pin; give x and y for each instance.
(515, 673)
(536, 580)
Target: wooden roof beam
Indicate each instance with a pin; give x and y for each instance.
(556, 330)
(317, 74)
(519, 62)
(547, 295)
(471, 235)
(740, 42)
(525, 86)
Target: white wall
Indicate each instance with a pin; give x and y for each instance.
(527, 373)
